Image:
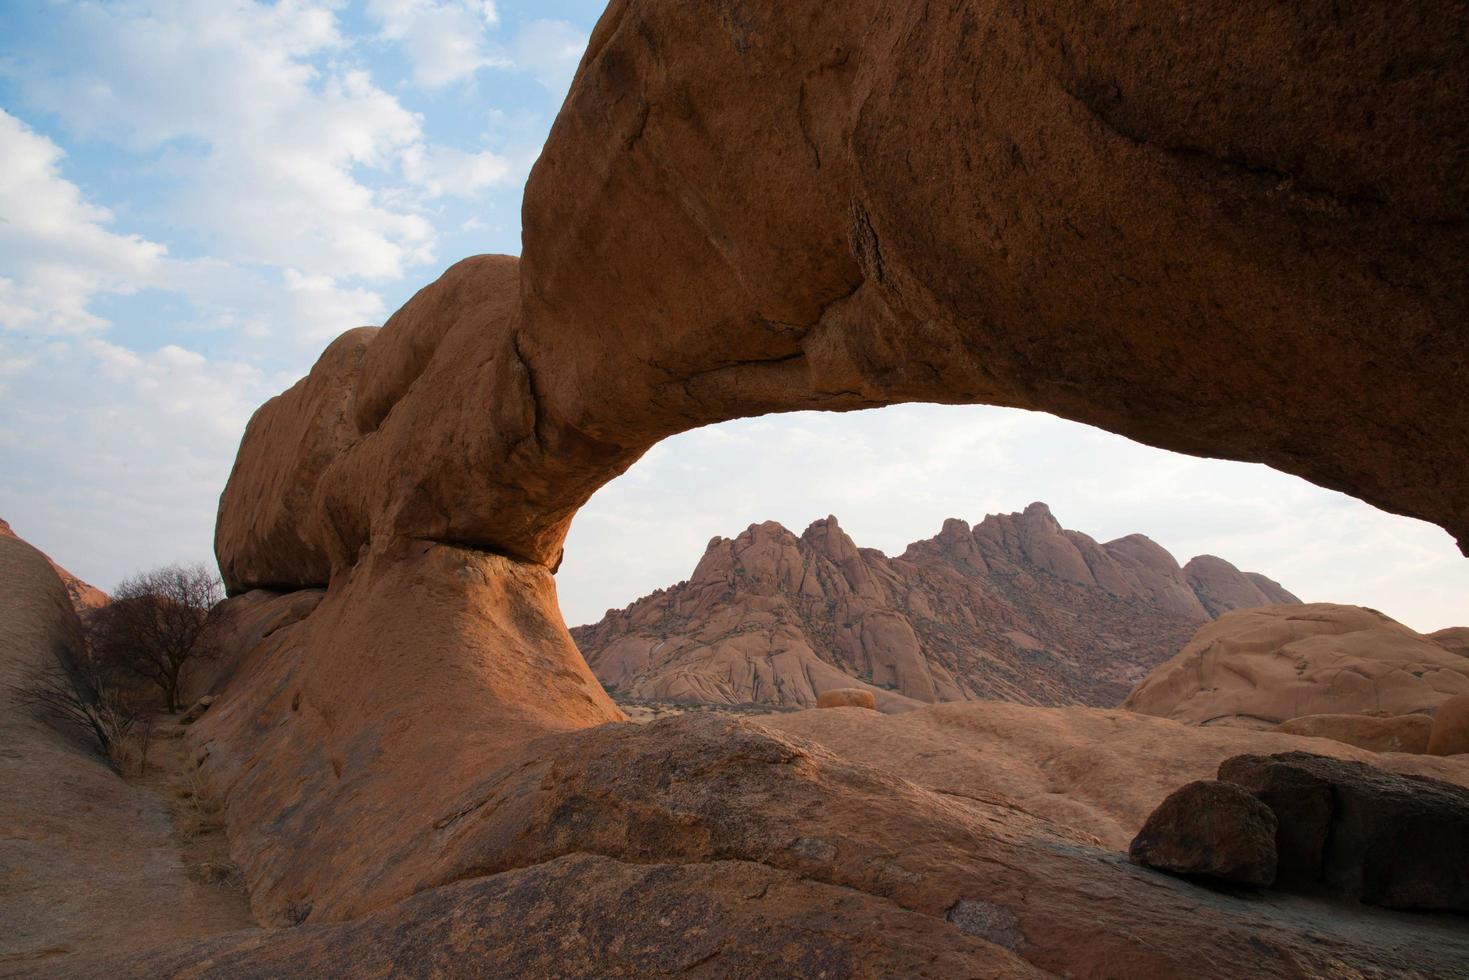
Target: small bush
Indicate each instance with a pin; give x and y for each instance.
(79, 698)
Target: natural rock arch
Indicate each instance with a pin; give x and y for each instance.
(1243, 234)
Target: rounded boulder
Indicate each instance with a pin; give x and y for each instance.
(1450, 735)
(1210, 828)
(847, 697)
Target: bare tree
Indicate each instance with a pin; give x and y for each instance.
(155, 624)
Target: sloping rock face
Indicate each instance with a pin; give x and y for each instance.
(1222, 588)
(1221, 234)
(1016, 608)
(1261, 667)
(83, 596)
(87, 861)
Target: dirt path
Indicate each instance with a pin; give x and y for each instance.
(91, 861)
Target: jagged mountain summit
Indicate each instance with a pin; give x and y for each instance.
(1016, 607)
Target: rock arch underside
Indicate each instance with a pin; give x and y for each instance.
(1236, 230)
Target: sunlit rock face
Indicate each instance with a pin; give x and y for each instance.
(1257, 668)
(1016, 608)
(1239, 233)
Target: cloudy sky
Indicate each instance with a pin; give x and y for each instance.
(196, 196)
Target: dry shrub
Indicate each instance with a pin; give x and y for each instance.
(198, 810)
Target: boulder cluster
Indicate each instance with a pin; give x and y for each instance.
(1310, 823)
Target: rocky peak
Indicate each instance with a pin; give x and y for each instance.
(1222, 587)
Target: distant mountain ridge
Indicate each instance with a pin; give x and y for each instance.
(1016, 607)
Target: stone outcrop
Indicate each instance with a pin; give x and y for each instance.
(1222, 588)
(1241, 233)
(83, 596)
(1382, 838)
(1016, 607)
(1376, 733)
(1455, 639)
(847, 697)
(1262, 667)
(1450, 735)
(1212, 829)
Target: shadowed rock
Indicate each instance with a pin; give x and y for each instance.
(1386, 839)
(1213, 829)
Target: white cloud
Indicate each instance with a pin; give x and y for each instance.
(266, 146)
(115, 458)
(441, 171)
(551, 51)
(444, 40)
(56, 250)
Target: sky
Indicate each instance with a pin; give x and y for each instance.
(196, 196)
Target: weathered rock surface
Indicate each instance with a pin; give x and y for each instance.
(1261, 667)
(700, 792)
(1450, 735)
(1209, 828)
(87, 861)
(847, 697)
(1097, 773)
(1376, 733)
(585, 916)
(83, 596)
(1016, 607)
(1386, 839)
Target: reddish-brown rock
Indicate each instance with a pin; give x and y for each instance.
(1212, 829)
(1261, 667)
(847, 697)
(1450, 735)
(1017, 607)
(588, 916)
(1376, 733)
